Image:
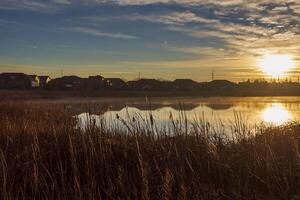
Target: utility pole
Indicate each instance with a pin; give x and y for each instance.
(139, 75)
(212, 75)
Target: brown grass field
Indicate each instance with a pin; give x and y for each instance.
(44, 155)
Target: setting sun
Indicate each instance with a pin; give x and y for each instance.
(276, 64)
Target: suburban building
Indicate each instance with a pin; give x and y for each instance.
(35, 82)
(77, 83)
(144, 84)
(185, 84)
(116, 83)
(221, 84)
(43, 81)
(14, 81)
(94, 82)
(66, 83)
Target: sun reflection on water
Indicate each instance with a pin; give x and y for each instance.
(275, 114)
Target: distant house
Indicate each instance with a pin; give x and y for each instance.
(185, 84)
(76, 83)
(145, 84)
(116, 83)
(66, 83)
(165, 85)
(221, 84)
(94, 82)
(14, 81)
(35, 82)
(43, 81)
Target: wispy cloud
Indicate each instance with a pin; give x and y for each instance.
(243, 26)
(30, 5)
(99, 33)
(175, 18)
(10, 22)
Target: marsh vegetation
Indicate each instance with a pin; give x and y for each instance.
(45, 155)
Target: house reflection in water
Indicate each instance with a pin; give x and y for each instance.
(220, 106)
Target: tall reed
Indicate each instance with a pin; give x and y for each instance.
(45, 155)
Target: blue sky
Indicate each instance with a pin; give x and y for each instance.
(158, 38)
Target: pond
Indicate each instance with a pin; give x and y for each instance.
(224, 112)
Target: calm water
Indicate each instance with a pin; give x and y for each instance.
(251, 111)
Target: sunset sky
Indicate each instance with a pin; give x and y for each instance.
(159, 38)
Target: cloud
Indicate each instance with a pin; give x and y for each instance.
(9, 22)
(244, 26)
(30, 5)
(176, 18)
(240, 29)
(191, 2)
(96, 32)
(67, 2)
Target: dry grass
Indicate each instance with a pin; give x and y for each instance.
(44, 156)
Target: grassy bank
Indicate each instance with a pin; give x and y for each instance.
(44, 156)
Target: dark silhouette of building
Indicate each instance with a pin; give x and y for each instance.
(185, 84)
(145, 84)
(14, 81)
(94, 83)
(35, 82)
(221, 84)
(66, 83)
(43, 81)
(116, 83)
(77, 83)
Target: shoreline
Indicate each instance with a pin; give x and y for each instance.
(15, 95)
